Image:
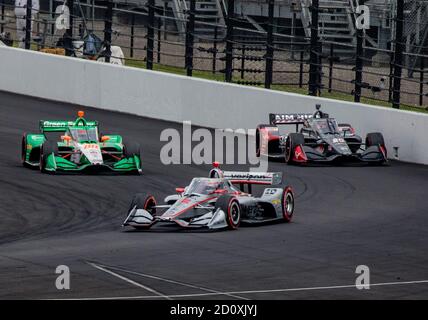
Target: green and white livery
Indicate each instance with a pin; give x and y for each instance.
(80, 149)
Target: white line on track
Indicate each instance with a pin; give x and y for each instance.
(158, 294)
(256, 291)
(173, 281)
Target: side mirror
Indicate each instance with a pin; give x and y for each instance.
(105, 138)
(66, 138)
(179, 190)
(220, 191)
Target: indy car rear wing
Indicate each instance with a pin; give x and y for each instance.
(265, 178)
(60, 125)
(246, 178)
(289, 118)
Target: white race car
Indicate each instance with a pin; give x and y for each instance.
(216, 202)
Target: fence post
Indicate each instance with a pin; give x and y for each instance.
(229, 39)
(320, 68)
(421, 82)
(108, 22)
(131, 53)
(269, 46)
(70, 5)
(313, 70)
(243, 61)
(398, 56)
(391, 75)
(150, 34)
(302, 54)
(190, 29)
(330, 72)
(159, 40)
(2, 15)
(214, 65)
(28, 18)
(359, 63)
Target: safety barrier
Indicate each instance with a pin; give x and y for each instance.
(206, 103)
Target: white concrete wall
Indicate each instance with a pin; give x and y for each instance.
(206, 103)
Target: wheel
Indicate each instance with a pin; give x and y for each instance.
(46, 149)
(24, 150)
(146, 202)
(259, 136)
(130, 149)
(258, 142)
(230, 205)
(293, 140)
(287, 204)
(376, 139)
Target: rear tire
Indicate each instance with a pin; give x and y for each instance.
(230, 205)
(287, 202)
(293, 140)
(146, 202)
(46, 149)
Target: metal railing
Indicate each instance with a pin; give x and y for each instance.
(283, 56)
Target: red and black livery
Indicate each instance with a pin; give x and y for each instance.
(318, 138)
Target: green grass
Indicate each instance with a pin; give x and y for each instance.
(287, 88)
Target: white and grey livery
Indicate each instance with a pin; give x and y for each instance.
(217, 201)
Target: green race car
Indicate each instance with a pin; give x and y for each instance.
(80, 149)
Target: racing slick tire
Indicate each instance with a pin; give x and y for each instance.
(287, 203)
(258, 138)
(293, 140)
(376, 139)
(24, 150)
(261, 126)
(131, 149)
(47, 148)
(230, 205)
(146, 202)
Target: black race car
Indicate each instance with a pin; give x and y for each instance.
(318, 138)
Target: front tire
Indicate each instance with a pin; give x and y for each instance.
(24, 150)
(376, 139)
(230, 205)
(293, 140)
(132, 149)
(48, 147)
(146, 202)
(287, 204)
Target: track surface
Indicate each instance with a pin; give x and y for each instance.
(345, 216)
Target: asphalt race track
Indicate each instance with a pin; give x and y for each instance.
(345, 217)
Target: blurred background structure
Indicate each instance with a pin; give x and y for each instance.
(304, 46)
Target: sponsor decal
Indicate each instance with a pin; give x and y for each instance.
(290, 118)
